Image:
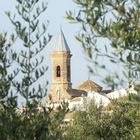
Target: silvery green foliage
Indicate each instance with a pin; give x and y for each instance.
(119, 120)
(115, 21)
(7, 57)
(32, 33)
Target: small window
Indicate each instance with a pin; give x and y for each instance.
(68, 72)
(58, 94)
(58, 71)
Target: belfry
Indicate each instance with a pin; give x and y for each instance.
(61, 70)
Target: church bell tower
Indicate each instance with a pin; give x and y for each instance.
(61, 70)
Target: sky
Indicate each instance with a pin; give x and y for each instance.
(56, 15)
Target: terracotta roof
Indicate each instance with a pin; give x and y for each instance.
(77, 93)
(89, 86)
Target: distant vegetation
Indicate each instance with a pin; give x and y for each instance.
(117, 121)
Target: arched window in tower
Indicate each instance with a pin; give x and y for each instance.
(58, 71)
(68, 72)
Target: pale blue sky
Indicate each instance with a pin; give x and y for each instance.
(55, 14)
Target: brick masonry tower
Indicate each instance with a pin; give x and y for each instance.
(61, 70)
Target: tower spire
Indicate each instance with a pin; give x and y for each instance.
(61, 43)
